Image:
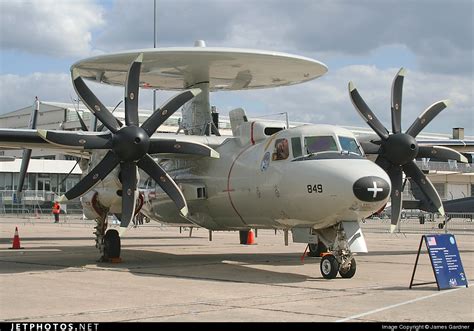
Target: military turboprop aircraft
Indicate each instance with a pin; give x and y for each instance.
(313, 180)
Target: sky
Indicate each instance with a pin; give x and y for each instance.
(364, 41)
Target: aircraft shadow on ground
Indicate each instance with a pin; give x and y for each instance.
(229, 267)
(49, 239)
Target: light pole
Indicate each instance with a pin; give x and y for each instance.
(154, 46)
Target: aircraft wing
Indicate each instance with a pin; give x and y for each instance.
(31, 139)
(370, 145)
(456, 206)
(82, 143)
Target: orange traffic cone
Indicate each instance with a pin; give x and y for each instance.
(16, 240)
(250, 238)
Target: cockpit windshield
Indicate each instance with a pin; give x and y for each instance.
(320, 144)
(349, 144)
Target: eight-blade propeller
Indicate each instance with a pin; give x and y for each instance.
(397, 151)
(129, 145)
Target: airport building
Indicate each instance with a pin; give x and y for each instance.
(51, 174)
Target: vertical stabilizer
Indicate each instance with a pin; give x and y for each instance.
(237, 117)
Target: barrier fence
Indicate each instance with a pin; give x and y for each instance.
(423, 223)
(34, 202)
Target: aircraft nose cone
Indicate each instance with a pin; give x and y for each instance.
(371, 188)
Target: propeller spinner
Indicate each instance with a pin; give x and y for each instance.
(397, 150)
(129, 145)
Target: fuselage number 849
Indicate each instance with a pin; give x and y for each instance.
(316, 188)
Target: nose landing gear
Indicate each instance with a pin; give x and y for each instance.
(330, 266)
(339, 258)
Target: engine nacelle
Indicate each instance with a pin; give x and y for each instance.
(106, 197)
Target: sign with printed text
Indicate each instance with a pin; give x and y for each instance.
(446, 261)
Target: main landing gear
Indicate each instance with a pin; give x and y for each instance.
(111, 245)
(108, 242)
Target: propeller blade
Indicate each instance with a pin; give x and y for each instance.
(425, 118)
(162, 114)
(369, 147)
(160, 146)
(383, 163)
(25, 161)
(83, 125)
(101, 127)
(94, 105)
(366, 113)
(77, 140)
(128, 172)
(168, 185)
(425, 185)
(131, 91)
(397, 87)
(441, 152)
(98, 173)
(396, 177)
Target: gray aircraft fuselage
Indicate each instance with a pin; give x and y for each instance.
(252, 186)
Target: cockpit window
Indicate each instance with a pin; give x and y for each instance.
(350, 145)
(281, 149)
(296, 146)
(320, 144)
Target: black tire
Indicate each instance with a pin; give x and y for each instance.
(329, 266)
(111, 244)
(440, 226)
(315, 250)
(349, 272)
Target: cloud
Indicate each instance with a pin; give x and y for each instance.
(56, 28)
(439, 33)
(435, 38)
(179, 23)
(326, 100)
(18, 91)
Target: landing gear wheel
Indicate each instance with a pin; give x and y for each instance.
(315, 250)
(350, 271)
(329, 266)
(111, 244)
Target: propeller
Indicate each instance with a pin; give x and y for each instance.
(129, 145)
(397, 150)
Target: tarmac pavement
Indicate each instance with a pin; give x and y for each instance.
(167, 276)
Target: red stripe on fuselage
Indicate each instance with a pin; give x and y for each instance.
(228, 190)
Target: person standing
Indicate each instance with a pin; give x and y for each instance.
(56, 211)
